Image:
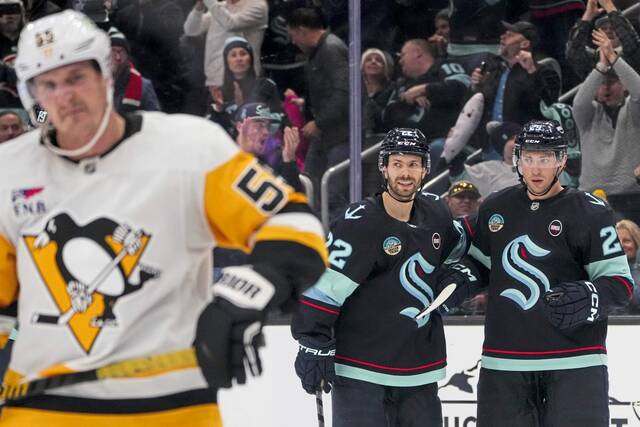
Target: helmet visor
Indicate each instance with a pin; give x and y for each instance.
(539, 159)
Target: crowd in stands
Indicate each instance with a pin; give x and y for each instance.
(274, 74)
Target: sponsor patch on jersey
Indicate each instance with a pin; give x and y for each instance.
(435, 241)
(28, 201)
(392, 245)
(555, 227)
(496, 222)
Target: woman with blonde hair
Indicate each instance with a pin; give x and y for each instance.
(377, 74)
(629, 235)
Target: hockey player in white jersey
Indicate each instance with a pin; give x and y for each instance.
(107, 225)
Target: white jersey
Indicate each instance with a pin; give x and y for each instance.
(178, 186)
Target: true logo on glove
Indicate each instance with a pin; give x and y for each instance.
(318, 352)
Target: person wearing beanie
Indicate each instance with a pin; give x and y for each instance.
(241, 85)
(377, 74)
(131, 91)
(221, 20)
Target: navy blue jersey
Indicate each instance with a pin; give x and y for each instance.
(530, 246)
(382, 273)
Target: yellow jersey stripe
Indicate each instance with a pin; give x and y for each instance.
(284, 233)
(205, 415)
(8, 274)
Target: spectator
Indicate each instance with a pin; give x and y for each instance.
(327, 75)
(463, 198)
(624, 39)
(221, 20)
(492, 175)
(253, 125)
(131, 91)
(474, 31)
(509, 88)
(11, 125)
(377, 72)
(153, 29)
(629, 235)
(429, 96)
(11, 23)
(241, 84)
(607, 120)
(36, 9)
(440, 38)
(554, 20)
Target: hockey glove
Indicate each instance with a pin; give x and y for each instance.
(571, 304)
(462, 276)
(315, 364)
(229, 330)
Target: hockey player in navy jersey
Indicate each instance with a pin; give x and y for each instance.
(385, 254)
(557, 268)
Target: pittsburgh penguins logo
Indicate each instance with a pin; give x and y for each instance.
(86, 270)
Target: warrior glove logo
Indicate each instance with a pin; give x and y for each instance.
(86, 270)
(514, 262)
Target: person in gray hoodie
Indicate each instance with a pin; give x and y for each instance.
(607, 112)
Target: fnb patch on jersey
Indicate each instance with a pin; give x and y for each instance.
(392, 245)
(555, 227)
(24, 202)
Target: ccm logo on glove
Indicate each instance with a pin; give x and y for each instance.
(594, 302)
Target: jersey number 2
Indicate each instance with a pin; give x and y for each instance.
(339, 251)
(610, 245)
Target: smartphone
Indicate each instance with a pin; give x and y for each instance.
(483, 67)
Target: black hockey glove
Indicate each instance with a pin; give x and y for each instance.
(465, 280)
(229, 330)
(571, 304)
(315, 364)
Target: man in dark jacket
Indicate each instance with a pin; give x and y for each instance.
(131, 91)
(153, 29)
(429, 96)
(327, 76)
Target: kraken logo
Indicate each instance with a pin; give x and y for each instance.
(514, 261)
(412, 282)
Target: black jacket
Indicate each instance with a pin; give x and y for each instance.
(327, 75)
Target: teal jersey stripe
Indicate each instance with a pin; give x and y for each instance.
(390, 380)
(333, 288)
(617, 266)
(469, 49)
(462, 78)
(575, 362)
(477, 254)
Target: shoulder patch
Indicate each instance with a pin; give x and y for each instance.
(354, 212)
(594, 200)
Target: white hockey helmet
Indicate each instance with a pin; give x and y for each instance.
(56, 40)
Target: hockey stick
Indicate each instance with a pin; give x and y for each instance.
(440, 299)
(152, 365)
(320, 405)
(65, 317)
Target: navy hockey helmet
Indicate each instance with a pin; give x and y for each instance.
(541, 135)
(404, 141)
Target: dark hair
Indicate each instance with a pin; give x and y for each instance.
(443, 14)
(306, 17)
(247, 82)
